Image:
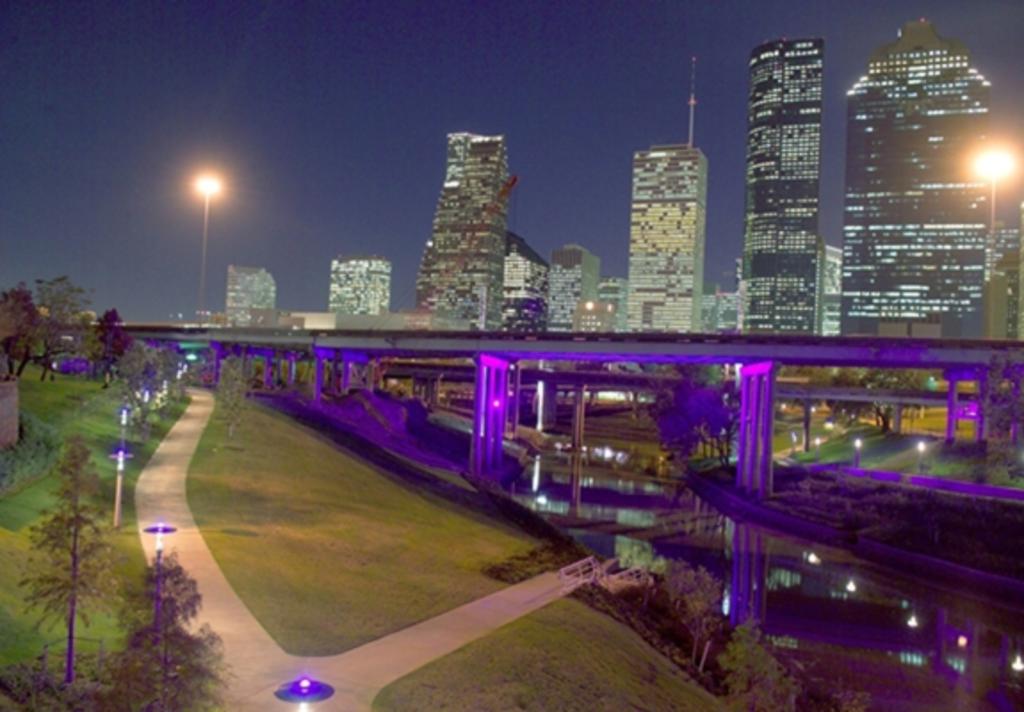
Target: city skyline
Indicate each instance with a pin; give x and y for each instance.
(155, 223)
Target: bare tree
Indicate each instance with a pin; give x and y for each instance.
(696, 596)
(74, 570)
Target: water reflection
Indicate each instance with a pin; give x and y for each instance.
(810, 598)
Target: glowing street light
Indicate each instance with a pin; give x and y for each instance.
(1018, 664)
(817, 449)
(857, 445)
(912, 621)
(208, 186)
(993, 166)
(921, 448)
(119, 456)
(851, 586)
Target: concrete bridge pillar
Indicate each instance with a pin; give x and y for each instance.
(514, 412)
(321, 359)
(291, 369)
(757, 418)
(747, 589)
(807, 426)
(268, 369)
(218, 355)
(489, 414)
(897, 418)
(579, 415)
(954, 410)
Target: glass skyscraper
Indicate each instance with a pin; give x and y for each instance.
(360, 285)
(463, 265)
(781, 245)
(666, 239)
(249, 288)
(615, 290)
(916, 217)
(573, 278)
(832, 291)
(526, 287)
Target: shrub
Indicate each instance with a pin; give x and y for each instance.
(36, 452)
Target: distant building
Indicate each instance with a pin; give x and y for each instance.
(916, 220)
(249, 288)
(1001, 242)
(832, 291)
(615, 290)
(781, 245)
(525, 287)
(1002, 298)
(573, 278)
(360, 285)
(595, 317)
(720, 312)
(463, 264)
(666, 239)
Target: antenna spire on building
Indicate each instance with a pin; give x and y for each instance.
(693, 95)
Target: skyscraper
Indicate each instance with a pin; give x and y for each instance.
(916, 218)
(360, 285)
(832, 291)
(249, 288)
(573, 278)
(615, 290)
(666, 238)
(463, 265)
(525, 286)
(781, 242)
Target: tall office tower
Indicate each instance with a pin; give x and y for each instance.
(781, 245)
(615, 290)
(832, 291)
(526, 287)
(666, 238)
(360, 285)
(916, 217)
(573, 278)
(249, 288)
(463, 265)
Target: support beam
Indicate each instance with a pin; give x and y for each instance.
(489, 414)
(807, 426)
(579, 415)
(319, 364)
(754, 469)
(268, 369)
(897, 418)
(980, 424)
(952, 409)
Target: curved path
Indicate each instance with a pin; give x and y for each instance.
(257, 663)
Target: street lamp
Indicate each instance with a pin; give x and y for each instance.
(208, 186)
(857, 445)
(993, 166)
(817, 449)
(921, 447)
(158, 529)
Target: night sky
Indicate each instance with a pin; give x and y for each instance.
(328, 123)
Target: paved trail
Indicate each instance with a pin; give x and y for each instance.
(258, 665)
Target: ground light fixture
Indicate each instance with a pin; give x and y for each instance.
(119, 456)
(304, 689)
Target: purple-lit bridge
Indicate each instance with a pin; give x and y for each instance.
(340, 359)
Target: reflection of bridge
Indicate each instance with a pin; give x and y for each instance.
(339, 356)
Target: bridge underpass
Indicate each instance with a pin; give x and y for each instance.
(339, 357)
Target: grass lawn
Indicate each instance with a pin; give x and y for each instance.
(74, 406)
(327, 551)
(565, 656)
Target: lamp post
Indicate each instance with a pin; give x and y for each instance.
(208, 186)
(921, 447)
(993, 165)
(159, 530)
(817, 449)
(857, 445)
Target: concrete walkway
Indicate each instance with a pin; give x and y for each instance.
(257, 664)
